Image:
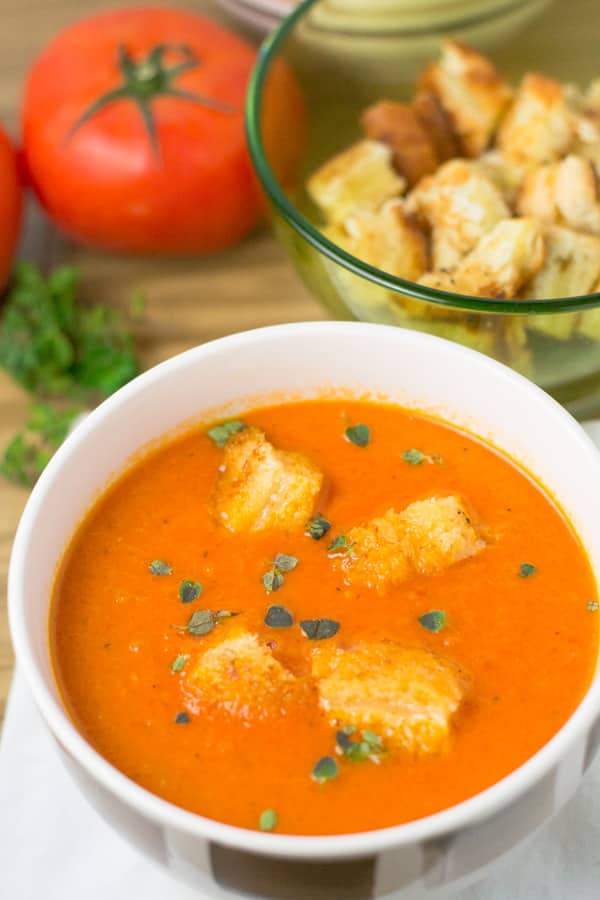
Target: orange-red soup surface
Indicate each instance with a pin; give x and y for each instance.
(523, 640)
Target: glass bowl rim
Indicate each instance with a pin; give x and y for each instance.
(267, 54)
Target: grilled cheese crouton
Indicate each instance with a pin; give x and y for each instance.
(506, 176)
(424, 539)
(539, 127)
(389, 240)
(438, 125)
(241, 676)
(408, 696)
(571, 266)
(398, 125)
(461, 205)
(537, 196)
(504, 260)
(361, 177)
(260, 487)
(563, 193)
(472, 92)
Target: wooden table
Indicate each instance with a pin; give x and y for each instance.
(187, 301)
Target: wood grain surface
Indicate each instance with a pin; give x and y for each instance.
(188, 301)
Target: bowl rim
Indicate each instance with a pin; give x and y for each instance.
(152, 807)
(268, 53)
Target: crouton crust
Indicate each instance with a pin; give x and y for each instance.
(424, 539)
(571, 265)
(539, 127)
(471, 90)
(260, 487)
(406, 695)
(398, 125)
(438, 125)
(390, 240)
(241, 676)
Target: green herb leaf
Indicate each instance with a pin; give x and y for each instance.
(53, 346)
(358, 751)
(373, 740)
(279, 617)
(158, 567)
(285, 563)
(272, 580)
(220, 434)
(593, 606)
(526, 570)
(414, 457)
(200, 623)
(319, 629)
(340, 546)
(434, 620)
(189, 591)
(359, 435)
(317, 527)
(268, 820)
(182, 718)
(29, 451)
(179, 662)
(325, 769)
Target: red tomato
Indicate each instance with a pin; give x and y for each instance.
(134, 136)
(10, 205)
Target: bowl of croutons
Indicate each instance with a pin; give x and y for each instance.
(449, 184)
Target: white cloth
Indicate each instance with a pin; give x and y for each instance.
(53, 845)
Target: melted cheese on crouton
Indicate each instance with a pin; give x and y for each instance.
(471, 90)
(361, 177)
(260, 487)
(407, 696)
(424, 539)
(539, 127)
(460, 204)
(241, 676)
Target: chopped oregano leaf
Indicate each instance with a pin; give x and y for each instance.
(342, 739)
(279, 617)
(325, 769)
(358, 751)
(179, 662)
(359, 435)
(593, 606)
(201, 622)
(182, 718)
(189, 591)
(340, 545)
(434, 620)
(373, 740)
(526, 570)
(413, 457)
(285, 563)
(268, 820)
(319, 629)
(158, 567)
(317, 527)
(272, 580)
(220, 434)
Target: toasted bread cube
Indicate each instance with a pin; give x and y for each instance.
(576, 194)
(425, 538)
(438, 125)
(361, 177)
(406, 695)
(472, 92)
(461, 205)
(539, 127)
(260, 487)
(241, 676)
(571, 266)
(389, 240)
(503, 261)
(398, 125)
(537, 196)
(438, 532)
(507, 176)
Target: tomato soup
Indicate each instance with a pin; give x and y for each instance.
(326, 617)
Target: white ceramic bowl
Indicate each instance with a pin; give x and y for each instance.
(418, 371)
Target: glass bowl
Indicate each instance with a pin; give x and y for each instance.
(342, 66)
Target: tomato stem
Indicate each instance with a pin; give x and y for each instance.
(146, 79)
